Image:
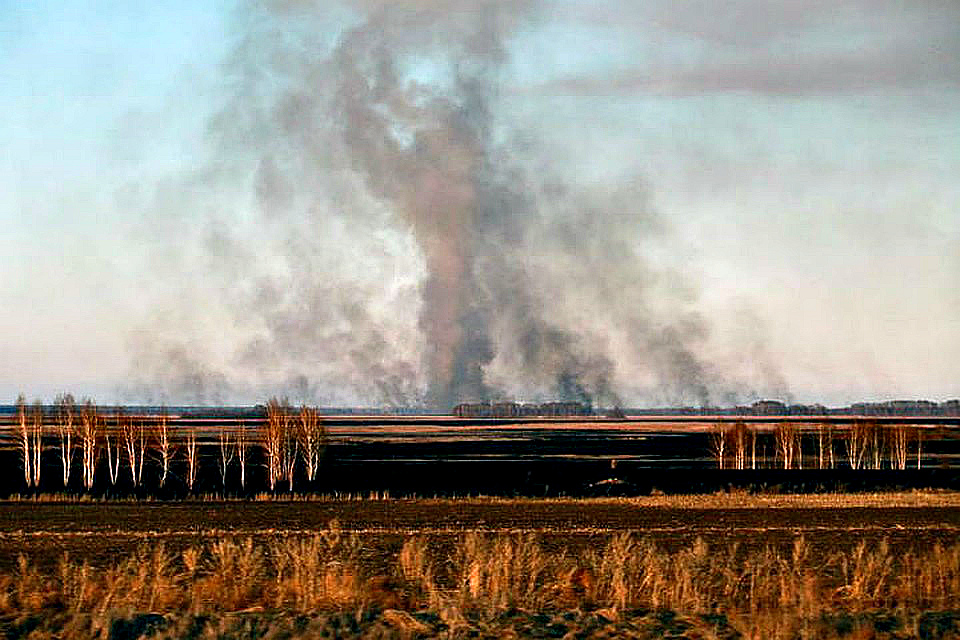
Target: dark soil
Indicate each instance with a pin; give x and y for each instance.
(100, 532)
(390, 623)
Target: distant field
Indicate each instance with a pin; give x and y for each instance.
(175, 455)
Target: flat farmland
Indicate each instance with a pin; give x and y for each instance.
(437, 527)
(100, 531)
(722, 565)
(425, 456)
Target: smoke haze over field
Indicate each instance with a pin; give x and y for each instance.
(443, 201)
(401, 107)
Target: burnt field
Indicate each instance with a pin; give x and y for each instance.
(176, 456)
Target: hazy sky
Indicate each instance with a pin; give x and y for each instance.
(781, 177)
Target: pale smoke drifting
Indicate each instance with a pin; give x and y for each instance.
(530, 289)
(429, 152)
(424, 153)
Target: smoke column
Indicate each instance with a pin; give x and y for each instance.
(430, 153)
(532, 288)
(424, 153)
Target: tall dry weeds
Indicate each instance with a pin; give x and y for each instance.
(417, 571)
(486, 574)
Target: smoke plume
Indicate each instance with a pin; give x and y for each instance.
(402, 244)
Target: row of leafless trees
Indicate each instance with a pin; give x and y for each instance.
(289, 436)
(80, 429)
(289, 439)
(862, 444)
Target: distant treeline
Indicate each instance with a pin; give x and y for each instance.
(251, 412)
(778, 408)
(521, 410)
(759, 408)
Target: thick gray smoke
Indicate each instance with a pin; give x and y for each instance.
(425, 152)
(384, 142)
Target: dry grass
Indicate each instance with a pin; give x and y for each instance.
(719, 501)
(765, 592)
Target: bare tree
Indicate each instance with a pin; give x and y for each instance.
(288, 454)
(25, 440)
(89, 436)
(243, 448)
(135, 444)
(824, 446)
(919, 435)
(798, 441)
(830, 451)
(30, 427)
(876, 445)
(112, 445)
(271, 446)
(787, 439)
(164, 448)
(312, 438)
(66, 415)
(193, 461)
(899, 438)
(36, 437)
(718, 442)
(277, 439)
(228, 448)
(741, 437)
(856, 443)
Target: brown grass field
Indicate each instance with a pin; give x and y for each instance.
(707, 566)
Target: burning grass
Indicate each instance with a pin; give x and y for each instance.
(485, 583)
